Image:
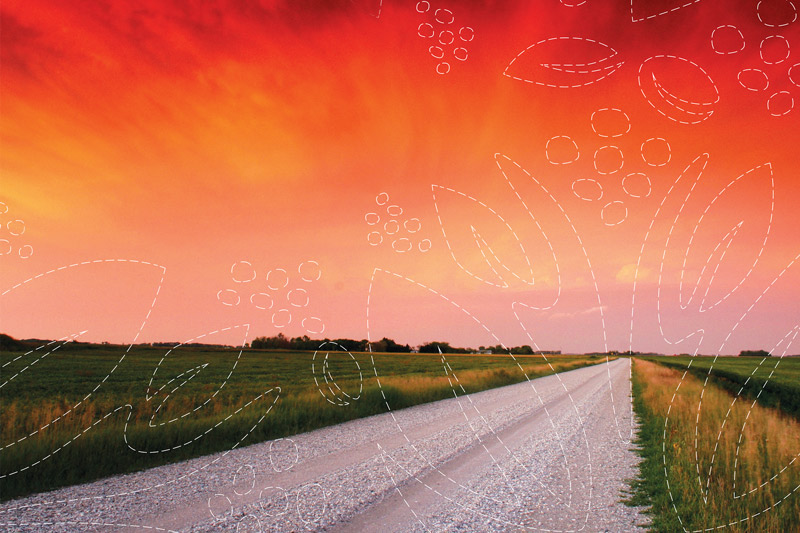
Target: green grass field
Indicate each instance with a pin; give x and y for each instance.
(57, 432)
(708, 462)
(774, 380)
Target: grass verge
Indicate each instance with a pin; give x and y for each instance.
(710, 462)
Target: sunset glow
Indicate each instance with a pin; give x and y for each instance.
(215, 160)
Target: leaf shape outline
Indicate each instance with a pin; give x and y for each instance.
(551, 63)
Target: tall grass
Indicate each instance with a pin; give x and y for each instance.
(51, 436)
(774, 381)
(712, 462)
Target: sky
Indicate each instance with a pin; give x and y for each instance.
(583, 176)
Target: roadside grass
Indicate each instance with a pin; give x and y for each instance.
(54, 431)
(715, 464)
(775, 381)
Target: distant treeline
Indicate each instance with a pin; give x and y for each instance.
(304, 343)
(281, 342)
(754, 353)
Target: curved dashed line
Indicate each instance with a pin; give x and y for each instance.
(779, 61)
(730, 52)
(750, 87)
(495, 213)
(768, 25)
(699, 222)
(122, 358)
(606, 110)
(665, 12)
(612, 67)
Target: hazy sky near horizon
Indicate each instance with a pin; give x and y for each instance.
(549, 172)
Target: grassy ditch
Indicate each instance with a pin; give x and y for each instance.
(710, 462)
(775, 381)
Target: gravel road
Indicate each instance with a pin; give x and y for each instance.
(552, 454)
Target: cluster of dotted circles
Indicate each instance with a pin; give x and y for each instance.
(275, 289)
(447, 40)
(15, 228)
(400, 233)
(774, 49)
(310, 499)
(608, 160)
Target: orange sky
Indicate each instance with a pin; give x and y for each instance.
(196, 136)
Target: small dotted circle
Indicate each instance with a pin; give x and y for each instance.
(309, 271)
(443, 68)
(776, 42)
(5, 247)
(794, 74)
(587, 189)
(412, 225)
(425, 245)
(608, 160)
(777, 23)
(228, 297)
(277, 279)
(382, 198)
(391, 227)
(261, 300)
(243, 272)
(610, 122)
(637, 185)
(466, 34)
(25, 251)
(753, 79)
(401, 245)
(313, 325)
(733, 40)
(298, 297)
(561, 150)
(436, 51)
(656, 152)
(374, 238)
(423, 6)
(425, 30)
(372, 218)
(281, 318)
(446, 37)
(614, 213)
(444, 16)
(270, 510)
(461, 54)
(781, 103)
(15, 227)
(394, 210)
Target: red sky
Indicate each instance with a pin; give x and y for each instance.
(196, 136)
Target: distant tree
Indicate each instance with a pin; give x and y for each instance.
(271, 343)
(352, 345)
(9, 343)
(754, 353)
(436, 346)
(522, 350)
(392, 346)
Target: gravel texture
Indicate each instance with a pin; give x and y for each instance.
(552, 454)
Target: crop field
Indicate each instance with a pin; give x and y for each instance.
(712, 462)
(72, 414)
(775, 381)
